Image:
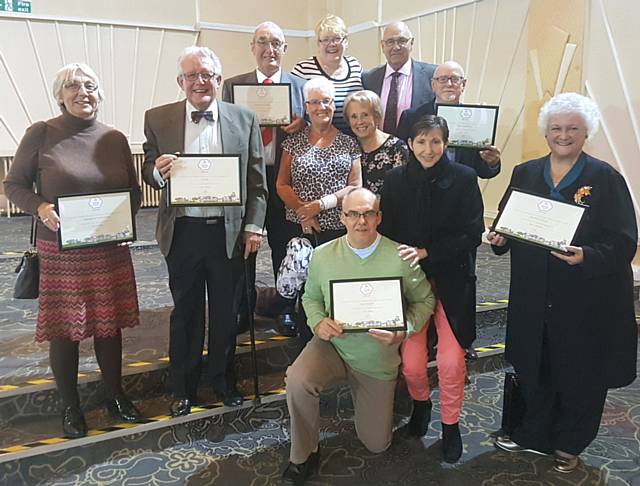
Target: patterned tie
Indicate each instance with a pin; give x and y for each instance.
(391, 111)
(267, 132)
(196, 116)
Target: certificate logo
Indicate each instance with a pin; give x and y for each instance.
(261, 92)
(95, 203)
(465, 114)
(204, 164)
(366, 289)
(545, 206)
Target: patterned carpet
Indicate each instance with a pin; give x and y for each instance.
(252, 450)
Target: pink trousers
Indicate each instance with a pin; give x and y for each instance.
(452, 368)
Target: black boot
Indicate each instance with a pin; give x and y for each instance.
(73, 424)
(451, 443)
(420, 418)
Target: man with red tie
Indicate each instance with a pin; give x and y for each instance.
(204, 246)
(269, 46)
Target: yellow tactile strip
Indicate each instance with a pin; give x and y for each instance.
(97, 432)
(138, 366)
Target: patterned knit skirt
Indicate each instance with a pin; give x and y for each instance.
(86, 292)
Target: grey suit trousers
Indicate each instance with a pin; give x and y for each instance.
(319, 367)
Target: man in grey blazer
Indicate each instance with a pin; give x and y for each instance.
(203, 246)
(402, 82)
(268, 47)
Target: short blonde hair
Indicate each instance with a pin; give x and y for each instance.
(368, 98)
(66, 74)
(332, 24)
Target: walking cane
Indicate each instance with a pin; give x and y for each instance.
(252, 328)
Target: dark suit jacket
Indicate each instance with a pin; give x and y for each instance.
(441, 211)
(297, 100)
(468, 157)
(583, 312)
(164, 131)
(421, 87)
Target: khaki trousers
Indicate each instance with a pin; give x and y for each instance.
(319, 367)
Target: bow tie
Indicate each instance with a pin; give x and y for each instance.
(196, 116)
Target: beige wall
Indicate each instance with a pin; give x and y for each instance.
(513, 52)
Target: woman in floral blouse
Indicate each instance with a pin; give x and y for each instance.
(381, 151)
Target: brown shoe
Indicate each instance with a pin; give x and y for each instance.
(565, 463)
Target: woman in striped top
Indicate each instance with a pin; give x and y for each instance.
(343, 71)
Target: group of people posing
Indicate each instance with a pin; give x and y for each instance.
(365, 171)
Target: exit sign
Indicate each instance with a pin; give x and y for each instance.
(21, 6)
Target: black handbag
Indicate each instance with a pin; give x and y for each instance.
(27, 284)
(513, 405)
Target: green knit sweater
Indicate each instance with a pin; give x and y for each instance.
(335, 260)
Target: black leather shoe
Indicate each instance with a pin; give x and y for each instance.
(232, 397)
(420, 418)
(73, 424)
(288, 325)
(297, 474)
(121, 408)
(451, 443)
(180, 407)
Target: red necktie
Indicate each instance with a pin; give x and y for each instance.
(267, 132)
(391, 111)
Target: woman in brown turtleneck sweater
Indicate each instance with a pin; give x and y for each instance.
(89, 292)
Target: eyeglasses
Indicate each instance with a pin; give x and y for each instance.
(455, 80)
(332, 40)
(400, 42)
(355, 216)
(275, 44)
(323, 101)
(195, 76)
(74, 87)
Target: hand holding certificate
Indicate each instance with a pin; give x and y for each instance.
(470, 126)
(88, 220)
(205, 180)
(363, 304)
(539, 220)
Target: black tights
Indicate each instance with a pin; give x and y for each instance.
(63, 358)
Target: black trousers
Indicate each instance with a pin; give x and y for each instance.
(557, 419)
(198, 263)
(277, 236)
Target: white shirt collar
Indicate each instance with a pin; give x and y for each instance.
(213, 108)
(275, 78)
(405, 69)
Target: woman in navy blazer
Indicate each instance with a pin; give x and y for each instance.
(571, 330)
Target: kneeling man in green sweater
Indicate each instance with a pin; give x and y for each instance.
(367, 361)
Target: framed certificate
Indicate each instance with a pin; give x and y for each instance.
(205, 180)
(271, 102)
(539, 220)
(363, 304)
(94, 219)
(470, 126)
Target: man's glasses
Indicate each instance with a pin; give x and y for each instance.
(74, 87)
(355, 216)
(195, 76)
(400, 42)
(275, 44)
(331, 40)
(455, 80)
(324, 101)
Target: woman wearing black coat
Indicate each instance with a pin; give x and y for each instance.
(571, 330)
(434, 208)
